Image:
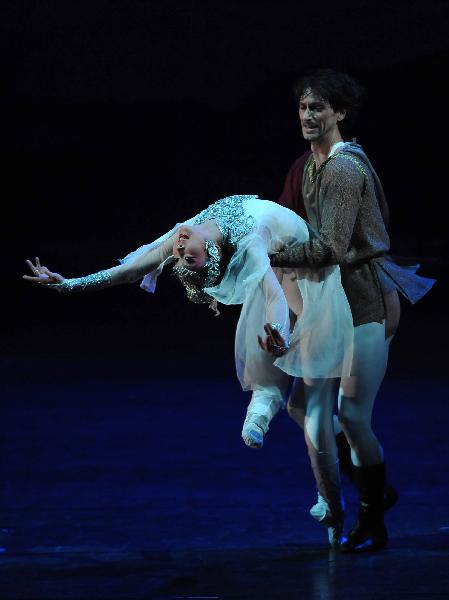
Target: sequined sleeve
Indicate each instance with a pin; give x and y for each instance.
(342, 186)
(129, 271)
(95, 281)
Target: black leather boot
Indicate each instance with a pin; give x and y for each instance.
(390, 497)
(344, 456)
(369, 532)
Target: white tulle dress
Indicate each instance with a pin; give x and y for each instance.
(320, 334)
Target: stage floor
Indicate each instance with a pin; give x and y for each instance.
(119, 486)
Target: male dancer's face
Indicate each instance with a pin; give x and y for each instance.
(319, 121)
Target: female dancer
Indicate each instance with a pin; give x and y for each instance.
(222, 255)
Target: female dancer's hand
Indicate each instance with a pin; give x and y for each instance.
(42, 275)
(274, 343)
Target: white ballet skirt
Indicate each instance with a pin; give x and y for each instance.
(321, 341)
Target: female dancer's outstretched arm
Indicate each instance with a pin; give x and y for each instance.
(128, 272)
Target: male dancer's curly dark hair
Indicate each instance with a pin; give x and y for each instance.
(339, 89)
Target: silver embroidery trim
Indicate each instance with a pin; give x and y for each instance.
(230, 217)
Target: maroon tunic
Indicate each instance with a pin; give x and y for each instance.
(345, 204)
(291, 196)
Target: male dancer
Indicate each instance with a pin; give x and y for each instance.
(335, 188)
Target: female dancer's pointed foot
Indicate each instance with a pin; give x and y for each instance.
(252, 433)
(322, 513)
(264, 405)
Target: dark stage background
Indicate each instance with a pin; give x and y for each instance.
(120, 119)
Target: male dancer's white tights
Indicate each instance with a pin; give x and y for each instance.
(312, 403)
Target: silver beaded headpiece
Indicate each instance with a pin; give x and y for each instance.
(233, 223)
(195, 283)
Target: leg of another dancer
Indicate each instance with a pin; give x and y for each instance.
(296, 411)
(319, 400)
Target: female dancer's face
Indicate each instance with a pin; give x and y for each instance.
(189, 249)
